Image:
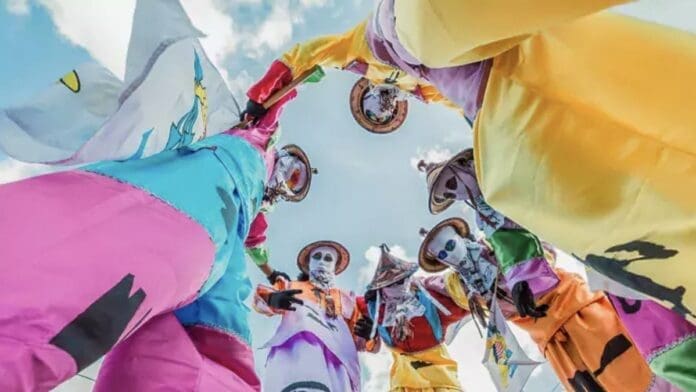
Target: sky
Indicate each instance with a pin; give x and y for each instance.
(367, 191)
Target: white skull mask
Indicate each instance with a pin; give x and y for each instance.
(289, 173)
(465, 256)
(322, 266)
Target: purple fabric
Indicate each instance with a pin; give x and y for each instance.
(66, 240)
(538, 274)
(652, 326)
(357, 67)
(333, 333)
(461, 85)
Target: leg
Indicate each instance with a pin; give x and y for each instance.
(145, 362)
(89, 261)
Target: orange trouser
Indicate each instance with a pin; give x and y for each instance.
(584, 341)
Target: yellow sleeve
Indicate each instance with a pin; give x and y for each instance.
(335, 51)
(446, 33)
(432, 95)
(455, 289)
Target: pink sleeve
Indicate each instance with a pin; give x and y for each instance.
(257, 231)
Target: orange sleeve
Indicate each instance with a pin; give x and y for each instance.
(260, 301)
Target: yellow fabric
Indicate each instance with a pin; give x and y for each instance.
(586, 137)
(446, 33)
(433, 369)
(455, 289)
(340, 50)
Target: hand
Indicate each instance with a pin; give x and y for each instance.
(284, 299)
(524, 301)
(363, 328)
(370, 295)
(253, 111)
(273, 277)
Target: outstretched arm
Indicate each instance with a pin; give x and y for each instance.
(327, 51)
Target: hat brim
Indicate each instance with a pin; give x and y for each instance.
(360, 88)
(430, 263)
(296, 151)
(341, 264)
(434, 206)
(396, 278)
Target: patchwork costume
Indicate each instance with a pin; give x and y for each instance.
(581, 359)
(132, 252)
(314, 346)
(545, 89)
(413, 325)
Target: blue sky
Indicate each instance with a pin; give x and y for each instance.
(367, 191)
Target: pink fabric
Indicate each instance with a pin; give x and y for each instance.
(162, 356)
(652, 327)
(259, 134)
(68, 238)
(257, 231)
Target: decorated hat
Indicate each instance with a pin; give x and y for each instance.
(369, 110)
(433, 171)
(341, 263)
(297, 152)
(429, 262)
(390, 270)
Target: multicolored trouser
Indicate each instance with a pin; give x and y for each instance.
(95, 257)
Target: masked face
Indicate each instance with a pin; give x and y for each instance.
(379, 103)
(322, 266)
(289, 174)
(466, 257)
(398, 290)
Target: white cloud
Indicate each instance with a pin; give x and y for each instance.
(103, 28)
(18, 7)
(274, 32)
(222, 38)
(432, 155)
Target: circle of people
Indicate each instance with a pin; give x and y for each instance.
(130, 264)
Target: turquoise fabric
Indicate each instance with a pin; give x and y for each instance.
(218, 182)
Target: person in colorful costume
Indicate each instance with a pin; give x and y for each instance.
(558, 301)
(316, 350)
(377, 99)
(411, 316)
(146, 253)
(546, 89)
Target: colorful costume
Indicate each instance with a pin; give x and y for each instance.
(314, 346)
(560, 93)
(572, 309)
(413, 324)
(547, 90)
(164, 233)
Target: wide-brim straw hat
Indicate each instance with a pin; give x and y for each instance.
(299, 153)
(341, 264)
(429, 262)
(433, 174)
(390, 269)
(357, 94)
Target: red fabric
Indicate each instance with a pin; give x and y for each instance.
(277, 76)
(423, 337)
(257, 231)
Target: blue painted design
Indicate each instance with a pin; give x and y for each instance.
(141, 148)
(182, 133)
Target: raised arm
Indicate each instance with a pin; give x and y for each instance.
(327, 51)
